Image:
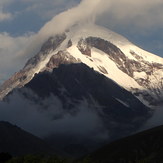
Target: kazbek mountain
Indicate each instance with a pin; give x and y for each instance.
(108, 53)
(91, 68)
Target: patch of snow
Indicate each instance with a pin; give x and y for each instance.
(122, 102)
(140, 75)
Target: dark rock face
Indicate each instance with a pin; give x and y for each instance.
(53, 43)
(84, 47)
(102, 69)
(62, 57)
(107, 47)
(18, 142)
(69, 44)
(50, 45)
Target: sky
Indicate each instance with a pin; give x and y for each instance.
(26, 24)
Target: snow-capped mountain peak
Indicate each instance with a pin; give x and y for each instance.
(106, 52)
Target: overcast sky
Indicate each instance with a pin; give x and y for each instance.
(141, 21)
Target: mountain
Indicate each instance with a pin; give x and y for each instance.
(94, 83)
(16, 141)
(108, 53)
(146, 146)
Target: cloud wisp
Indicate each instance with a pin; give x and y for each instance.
(4, 16)
(11, 50)
(141, 14)
(53, 119)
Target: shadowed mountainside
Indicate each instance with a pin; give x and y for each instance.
(16, 141)
(144, 147)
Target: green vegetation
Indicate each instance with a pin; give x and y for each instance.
(46, 159)
(39, 159)
(55, 159)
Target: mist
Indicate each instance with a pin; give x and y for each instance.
(49, 117)
(156, 119)
(11, 53)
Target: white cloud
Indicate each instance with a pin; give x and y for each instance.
(140, 13)
(5, 16)
(11, 51)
